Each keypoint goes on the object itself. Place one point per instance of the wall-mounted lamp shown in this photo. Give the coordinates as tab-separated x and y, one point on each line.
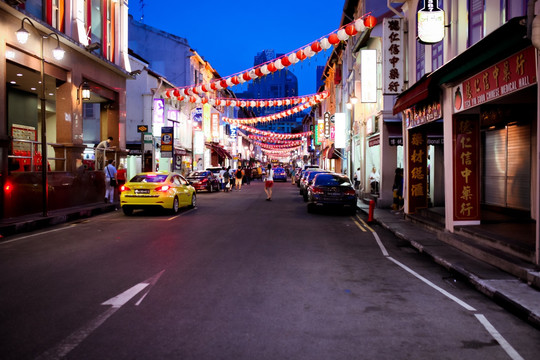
23	35
84	92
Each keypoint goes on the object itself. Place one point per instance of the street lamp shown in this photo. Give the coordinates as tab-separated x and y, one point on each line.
58	53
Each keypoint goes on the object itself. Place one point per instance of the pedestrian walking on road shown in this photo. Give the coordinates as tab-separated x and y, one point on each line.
110	181
238	176
269	183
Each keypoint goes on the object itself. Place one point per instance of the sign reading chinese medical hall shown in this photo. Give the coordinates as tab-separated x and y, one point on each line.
466	136
417	176
392	56
512	74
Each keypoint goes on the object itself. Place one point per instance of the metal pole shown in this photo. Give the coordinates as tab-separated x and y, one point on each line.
44	182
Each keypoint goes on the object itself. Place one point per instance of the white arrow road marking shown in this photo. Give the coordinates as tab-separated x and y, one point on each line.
73	340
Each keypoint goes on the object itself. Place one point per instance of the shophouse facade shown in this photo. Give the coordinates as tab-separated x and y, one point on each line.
477	89
43	120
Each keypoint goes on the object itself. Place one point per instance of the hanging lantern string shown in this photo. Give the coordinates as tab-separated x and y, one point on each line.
275	141
278	115
366	21
280	136
294	144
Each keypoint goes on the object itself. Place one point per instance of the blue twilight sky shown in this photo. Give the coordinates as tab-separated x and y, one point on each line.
229	33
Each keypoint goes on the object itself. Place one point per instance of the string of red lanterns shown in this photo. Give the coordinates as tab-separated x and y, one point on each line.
324	43
276	141
278	115
273	134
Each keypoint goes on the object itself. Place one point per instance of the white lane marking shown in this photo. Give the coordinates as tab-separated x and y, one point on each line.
116	302
483	320
499	338
72	341
123	298
439	289
36	234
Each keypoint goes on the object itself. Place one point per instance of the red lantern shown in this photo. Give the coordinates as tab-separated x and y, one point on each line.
223	83
194	90
192	99
228	103
258	72
186	92
246	76
351	30
213	86
204	100
300	55
285	61
370	21
218	103
235	80
316	47
271	67
176	92
180	98
168	93
333	39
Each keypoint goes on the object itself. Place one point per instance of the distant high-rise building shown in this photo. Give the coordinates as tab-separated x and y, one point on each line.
280	84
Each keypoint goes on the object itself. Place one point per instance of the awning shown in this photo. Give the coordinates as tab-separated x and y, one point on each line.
329	152
219	150
417	92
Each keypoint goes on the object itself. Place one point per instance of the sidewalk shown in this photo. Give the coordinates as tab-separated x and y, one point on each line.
503	288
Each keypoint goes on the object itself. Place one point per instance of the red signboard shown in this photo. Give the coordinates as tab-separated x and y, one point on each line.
466	168
417	167
512	74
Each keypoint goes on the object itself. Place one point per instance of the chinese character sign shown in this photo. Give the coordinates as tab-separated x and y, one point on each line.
392	56
512	74
417	176
466	169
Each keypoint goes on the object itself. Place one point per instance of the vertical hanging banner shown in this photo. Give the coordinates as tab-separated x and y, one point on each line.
392	56
327	125
320	131
368	75
167	142
340	140
417	165
207	127
196	117
214	117
466	136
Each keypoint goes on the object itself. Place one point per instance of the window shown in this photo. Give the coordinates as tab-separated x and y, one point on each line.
420	60
437	55
476	21
513	8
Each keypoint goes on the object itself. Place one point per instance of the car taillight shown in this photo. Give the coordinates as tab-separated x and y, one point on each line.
317	190
162	188
124	188
8	187
204	180
350	192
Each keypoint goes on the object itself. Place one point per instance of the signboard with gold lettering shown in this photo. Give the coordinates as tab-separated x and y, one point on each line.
417	176
466	168
512	74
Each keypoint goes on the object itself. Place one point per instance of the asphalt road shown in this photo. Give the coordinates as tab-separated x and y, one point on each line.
241	278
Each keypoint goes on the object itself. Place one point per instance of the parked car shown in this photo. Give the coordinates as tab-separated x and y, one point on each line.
305	178
331	189
280	174
165	190
204	181
309	179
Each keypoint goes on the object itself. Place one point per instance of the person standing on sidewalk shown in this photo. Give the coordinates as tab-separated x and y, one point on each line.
110	185
238	175
269	183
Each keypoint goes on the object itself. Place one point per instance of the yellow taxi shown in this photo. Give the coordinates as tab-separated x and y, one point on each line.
166	190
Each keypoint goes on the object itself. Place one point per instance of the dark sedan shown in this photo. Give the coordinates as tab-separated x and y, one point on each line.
203	181
330	189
